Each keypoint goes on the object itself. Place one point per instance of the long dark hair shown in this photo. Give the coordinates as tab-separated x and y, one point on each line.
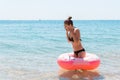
68	21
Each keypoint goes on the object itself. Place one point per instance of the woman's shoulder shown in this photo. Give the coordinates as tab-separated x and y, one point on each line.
77	29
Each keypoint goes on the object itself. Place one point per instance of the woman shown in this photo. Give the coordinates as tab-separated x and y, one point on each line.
73	36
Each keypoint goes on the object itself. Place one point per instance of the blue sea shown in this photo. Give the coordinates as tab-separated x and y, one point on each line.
29	49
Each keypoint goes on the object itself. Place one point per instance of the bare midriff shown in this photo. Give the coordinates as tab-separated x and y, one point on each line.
77	46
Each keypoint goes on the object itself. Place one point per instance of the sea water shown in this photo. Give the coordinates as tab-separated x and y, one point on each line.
29	48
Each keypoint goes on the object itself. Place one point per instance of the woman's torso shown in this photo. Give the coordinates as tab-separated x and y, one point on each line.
77	45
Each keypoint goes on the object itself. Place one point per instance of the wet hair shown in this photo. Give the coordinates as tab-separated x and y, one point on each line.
68	21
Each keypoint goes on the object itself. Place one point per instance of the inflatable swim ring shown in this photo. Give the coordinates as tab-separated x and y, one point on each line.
69	62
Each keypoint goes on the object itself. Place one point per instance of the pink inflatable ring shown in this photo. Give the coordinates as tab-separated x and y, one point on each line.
69	62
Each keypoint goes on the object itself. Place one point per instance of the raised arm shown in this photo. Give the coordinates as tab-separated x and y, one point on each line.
76	35
67	36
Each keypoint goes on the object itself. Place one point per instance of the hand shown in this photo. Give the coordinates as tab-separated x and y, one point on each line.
66	30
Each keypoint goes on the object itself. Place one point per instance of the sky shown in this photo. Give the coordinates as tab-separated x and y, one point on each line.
59	9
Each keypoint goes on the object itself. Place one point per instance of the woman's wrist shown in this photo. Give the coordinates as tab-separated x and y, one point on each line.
66	32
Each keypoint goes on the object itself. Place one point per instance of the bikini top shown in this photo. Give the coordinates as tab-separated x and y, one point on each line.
71	38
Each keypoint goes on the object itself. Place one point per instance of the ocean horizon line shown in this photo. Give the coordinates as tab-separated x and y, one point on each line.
58	19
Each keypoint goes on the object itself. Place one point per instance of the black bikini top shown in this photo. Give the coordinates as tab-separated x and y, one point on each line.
71	38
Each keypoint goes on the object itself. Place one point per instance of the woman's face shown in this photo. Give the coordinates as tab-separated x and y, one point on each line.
67	27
